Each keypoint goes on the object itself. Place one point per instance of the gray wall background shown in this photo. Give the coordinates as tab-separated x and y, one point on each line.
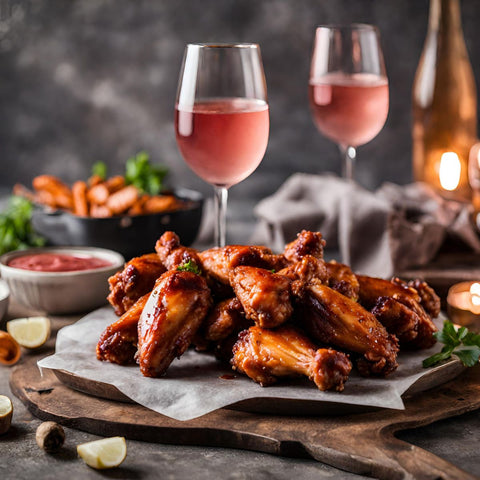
89	80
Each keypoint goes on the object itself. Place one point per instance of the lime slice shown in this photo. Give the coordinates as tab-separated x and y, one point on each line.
31	332
6	411
105	453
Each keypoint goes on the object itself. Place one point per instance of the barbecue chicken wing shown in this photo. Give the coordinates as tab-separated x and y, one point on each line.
225	319
372	289
265	296
331	318
172	315
342	279
264	355
306	243
118	342
219	262
303	272
173	254
397	319
429	300
135	280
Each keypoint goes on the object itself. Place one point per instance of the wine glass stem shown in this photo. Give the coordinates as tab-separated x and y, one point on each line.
349	155
221	196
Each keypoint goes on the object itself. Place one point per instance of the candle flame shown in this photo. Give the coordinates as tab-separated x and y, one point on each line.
449	172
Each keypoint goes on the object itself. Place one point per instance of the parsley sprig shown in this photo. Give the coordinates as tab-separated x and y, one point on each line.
189	266
147	177
458	341
99	169
16	231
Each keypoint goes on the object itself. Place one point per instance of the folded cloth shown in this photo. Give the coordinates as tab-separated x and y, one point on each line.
378	233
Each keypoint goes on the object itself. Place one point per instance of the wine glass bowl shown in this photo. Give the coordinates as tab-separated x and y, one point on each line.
222	117
348	87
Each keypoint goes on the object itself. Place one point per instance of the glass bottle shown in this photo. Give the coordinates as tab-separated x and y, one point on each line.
444	104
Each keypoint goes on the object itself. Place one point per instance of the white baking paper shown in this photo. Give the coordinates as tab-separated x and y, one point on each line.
193	385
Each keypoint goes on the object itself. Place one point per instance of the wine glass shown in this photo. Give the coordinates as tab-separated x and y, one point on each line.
222	117
348	87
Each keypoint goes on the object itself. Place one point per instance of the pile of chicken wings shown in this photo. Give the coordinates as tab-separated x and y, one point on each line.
268	315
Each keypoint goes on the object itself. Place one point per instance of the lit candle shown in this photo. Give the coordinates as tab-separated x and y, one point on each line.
463	304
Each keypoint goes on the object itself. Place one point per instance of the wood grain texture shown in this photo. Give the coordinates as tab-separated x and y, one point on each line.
361	443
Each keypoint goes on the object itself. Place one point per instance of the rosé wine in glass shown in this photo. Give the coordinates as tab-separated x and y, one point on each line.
348	87
223	140
222	117
350	109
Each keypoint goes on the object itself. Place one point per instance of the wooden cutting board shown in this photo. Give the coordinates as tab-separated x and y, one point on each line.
361	443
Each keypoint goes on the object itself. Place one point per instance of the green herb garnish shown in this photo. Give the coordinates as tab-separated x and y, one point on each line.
458	341
99	169
189	266
142	174
16	231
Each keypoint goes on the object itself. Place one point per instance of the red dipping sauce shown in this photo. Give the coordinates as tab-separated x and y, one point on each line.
57	262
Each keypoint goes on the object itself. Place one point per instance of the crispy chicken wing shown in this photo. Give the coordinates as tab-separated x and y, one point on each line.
135	280
397	319
220	261
342	279
118	342
429	300
171	317
371	289
331	318
264	355
173	254
306	243
226	318
265	296
303	272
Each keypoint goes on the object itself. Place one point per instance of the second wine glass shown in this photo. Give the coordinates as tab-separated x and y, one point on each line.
221	117
348	87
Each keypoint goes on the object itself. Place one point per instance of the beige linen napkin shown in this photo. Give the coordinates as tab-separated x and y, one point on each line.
377	233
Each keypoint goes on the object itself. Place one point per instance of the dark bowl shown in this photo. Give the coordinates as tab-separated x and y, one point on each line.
129	235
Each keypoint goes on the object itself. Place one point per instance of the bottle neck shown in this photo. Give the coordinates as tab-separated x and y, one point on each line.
445	16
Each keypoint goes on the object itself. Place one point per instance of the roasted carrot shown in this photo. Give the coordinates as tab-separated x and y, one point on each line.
100	211
98	194
80	204
122	200
53	185
160	203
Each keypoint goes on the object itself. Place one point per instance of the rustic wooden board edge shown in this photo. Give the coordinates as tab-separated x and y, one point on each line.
327	439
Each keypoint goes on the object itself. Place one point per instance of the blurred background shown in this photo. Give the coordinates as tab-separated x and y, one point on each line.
89	80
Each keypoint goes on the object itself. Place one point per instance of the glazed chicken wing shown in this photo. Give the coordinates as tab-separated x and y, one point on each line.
135	280
303	272
342	279
219	262
264	355
171	317
429	300
331	318
118	342
372	289
173	254
265	296
226	318
306	243
397	319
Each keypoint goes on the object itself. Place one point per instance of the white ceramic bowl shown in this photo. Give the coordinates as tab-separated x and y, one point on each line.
61	292
4	297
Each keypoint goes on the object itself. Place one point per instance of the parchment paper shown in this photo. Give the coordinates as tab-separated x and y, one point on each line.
192	386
